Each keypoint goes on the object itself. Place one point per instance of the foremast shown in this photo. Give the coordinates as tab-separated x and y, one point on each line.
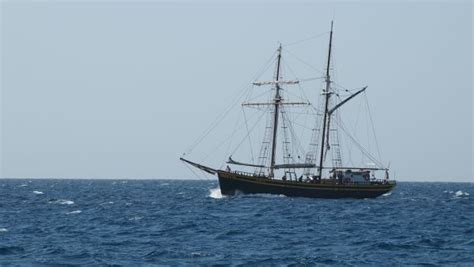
327	94
276	105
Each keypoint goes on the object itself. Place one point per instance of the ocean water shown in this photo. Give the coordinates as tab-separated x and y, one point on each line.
162	222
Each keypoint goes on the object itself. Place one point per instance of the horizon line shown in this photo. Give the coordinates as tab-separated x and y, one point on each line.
200	179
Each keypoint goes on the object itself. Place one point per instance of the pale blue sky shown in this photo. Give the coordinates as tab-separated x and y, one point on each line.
121	89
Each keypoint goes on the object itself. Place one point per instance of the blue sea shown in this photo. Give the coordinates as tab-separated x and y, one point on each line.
189	223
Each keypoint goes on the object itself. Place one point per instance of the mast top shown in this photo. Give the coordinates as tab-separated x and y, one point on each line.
276	81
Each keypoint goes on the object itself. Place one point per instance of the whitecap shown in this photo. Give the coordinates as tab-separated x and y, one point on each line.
23	185
74	212
3	230
135	218
199	254
460	193
387	194
62	202
66	202
215	193
38	192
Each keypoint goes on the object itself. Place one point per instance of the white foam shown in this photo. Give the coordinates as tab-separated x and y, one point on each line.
461	194
387	194
38	192
135	218
23	185
199	254
215	193
74	212
62	202
3	230
66	202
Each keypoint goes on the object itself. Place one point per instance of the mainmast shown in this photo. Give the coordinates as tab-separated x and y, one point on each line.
326	113
276	102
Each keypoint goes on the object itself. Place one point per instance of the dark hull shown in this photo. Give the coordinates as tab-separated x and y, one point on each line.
231	183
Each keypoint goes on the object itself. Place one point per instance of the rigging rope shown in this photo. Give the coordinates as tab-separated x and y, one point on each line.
299	85
195	174
361	148
373	126
245	137
221	143
304	62
294	138
306	39
248	134
220	117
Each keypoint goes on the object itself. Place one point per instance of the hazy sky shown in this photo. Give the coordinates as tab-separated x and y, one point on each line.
121	89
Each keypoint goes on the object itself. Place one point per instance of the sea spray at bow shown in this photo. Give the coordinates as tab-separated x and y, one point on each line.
215	193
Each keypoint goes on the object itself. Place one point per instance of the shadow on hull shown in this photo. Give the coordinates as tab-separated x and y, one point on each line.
231	182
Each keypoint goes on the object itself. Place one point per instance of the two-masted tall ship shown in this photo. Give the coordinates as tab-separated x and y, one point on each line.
307	176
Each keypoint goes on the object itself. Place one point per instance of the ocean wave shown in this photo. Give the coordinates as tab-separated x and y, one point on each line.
135	218
199	254
9	250
387	194
38	192
460	193
74	212
61	201
233	230
107	203
457	194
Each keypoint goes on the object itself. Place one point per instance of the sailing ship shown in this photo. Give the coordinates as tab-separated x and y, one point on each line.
318	179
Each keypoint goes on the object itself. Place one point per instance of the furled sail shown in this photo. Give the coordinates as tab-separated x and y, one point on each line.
231	161
295	166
